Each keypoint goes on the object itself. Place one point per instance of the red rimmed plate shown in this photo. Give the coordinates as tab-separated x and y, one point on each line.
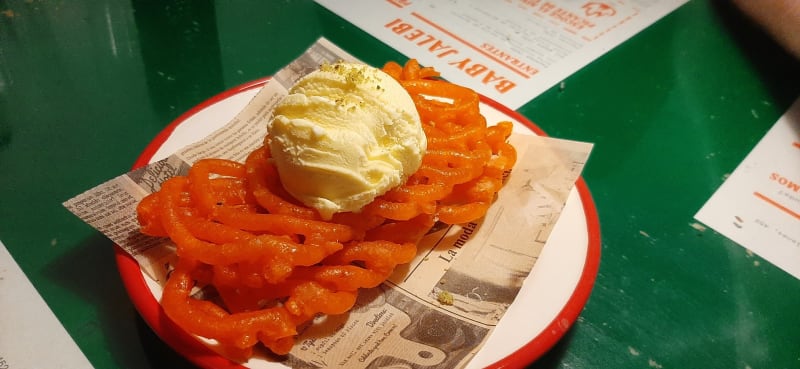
551	298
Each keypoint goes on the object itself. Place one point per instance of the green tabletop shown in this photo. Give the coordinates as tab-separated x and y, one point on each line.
85	85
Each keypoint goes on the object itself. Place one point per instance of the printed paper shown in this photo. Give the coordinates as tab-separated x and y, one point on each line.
758	206
510	50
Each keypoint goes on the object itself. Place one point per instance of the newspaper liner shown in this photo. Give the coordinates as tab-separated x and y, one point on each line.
434	312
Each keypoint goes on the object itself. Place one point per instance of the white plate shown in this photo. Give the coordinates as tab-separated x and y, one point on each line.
551	298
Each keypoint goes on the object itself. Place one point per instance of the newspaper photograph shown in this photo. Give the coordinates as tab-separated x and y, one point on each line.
434	312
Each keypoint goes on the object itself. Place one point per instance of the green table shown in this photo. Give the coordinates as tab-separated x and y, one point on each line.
84	86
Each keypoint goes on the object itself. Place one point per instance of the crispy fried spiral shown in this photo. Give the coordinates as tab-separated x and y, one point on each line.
275	264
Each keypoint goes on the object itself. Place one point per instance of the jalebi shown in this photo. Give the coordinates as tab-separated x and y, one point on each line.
275	264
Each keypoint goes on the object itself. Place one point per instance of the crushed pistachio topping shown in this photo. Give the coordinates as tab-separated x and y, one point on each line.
445	298
352	75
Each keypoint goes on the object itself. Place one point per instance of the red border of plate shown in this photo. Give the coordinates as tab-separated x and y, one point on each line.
199	354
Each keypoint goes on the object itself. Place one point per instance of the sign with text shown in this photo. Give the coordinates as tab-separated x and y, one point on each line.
758	206
511	50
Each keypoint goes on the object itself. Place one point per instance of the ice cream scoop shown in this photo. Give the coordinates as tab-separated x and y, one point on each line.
345	134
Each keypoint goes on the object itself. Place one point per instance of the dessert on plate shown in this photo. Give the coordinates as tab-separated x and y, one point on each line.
358	164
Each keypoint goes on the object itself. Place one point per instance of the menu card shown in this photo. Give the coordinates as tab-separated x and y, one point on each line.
758	206
509	50
30	334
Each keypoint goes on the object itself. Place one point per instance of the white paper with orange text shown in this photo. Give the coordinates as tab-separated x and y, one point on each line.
509	50
434	312
758	206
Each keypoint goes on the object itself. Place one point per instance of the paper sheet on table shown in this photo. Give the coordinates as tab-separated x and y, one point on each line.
30	334
505	245
510	50
758	206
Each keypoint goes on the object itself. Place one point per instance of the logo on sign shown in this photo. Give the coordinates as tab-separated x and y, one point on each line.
598	9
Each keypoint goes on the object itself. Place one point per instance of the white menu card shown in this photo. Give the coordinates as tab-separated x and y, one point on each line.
758	206
511	50
30	334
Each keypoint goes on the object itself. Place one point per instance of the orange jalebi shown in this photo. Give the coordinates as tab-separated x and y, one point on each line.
275	264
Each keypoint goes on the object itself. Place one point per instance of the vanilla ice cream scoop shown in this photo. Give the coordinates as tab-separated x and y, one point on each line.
345	134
